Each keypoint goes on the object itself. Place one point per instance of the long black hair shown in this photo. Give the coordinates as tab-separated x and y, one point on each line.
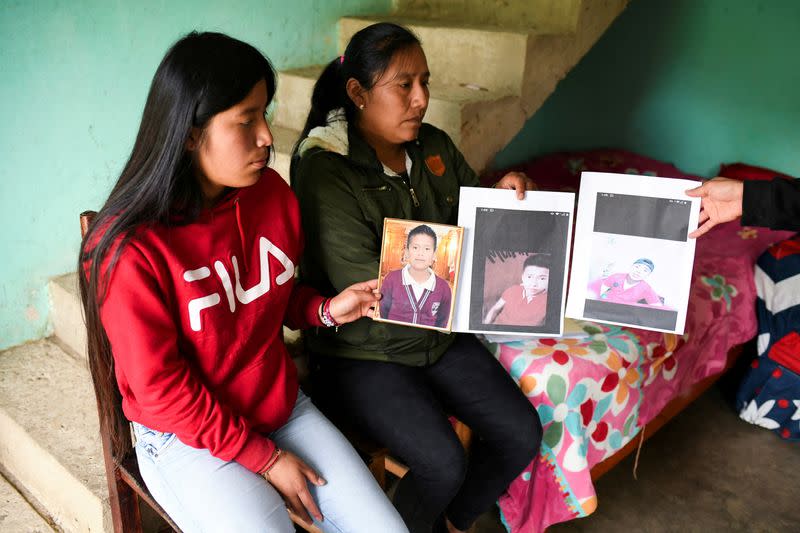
366	58
201	75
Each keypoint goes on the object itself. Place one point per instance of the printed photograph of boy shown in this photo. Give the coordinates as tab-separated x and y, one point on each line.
631	281
633	270
524	303
627	287
418	270
508	296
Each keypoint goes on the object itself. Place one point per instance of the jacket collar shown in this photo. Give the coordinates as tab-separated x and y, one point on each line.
341	137
363	154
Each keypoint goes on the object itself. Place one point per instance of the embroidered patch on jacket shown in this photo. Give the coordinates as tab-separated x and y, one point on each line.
435	164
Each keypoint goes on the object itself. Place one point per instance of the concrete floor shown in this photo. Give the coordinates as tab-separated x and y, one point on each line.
706	471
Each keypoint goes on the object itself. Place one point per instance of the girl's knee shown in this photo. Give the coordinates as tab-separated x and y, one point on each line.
271	516
261	515
277	520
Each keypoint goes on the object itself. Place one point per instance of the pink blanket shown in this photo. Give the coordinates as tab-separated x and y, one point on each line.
596	393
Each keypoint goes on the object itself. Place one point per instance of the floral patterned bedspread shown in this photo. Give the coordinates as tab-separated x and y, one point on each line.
594	394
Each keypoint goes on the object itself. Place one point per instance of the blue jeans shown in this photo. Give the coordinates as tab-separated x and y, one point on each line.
203	493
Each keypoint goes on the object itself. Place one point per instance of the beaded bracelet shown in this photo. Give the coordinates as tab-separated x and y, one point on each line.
326	316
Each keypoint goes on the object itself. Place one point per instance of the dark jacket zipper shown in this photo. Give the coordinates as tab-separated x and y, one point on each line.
407	181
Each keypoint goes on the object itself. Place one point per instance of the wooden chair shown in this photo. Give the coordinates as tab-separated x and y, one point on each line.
126	489
125	485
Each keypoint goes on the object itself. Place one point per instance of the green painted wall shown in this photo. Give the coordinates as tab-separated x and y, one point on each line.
694	82
73	80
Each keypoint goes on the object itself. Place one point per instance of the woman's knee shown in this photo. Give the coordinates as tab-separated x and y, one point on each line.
517	436
527	438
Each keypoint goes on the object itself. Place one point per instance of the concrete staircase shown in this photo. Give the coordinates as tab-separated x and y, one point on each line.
16	514
493	64
49	432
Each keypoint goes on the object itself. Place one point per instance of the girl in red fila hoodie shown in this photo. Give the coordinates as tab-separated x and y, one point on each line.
189	279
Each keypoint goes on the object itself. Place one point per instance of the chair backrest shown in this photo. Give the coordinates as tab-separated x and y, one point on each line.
125	484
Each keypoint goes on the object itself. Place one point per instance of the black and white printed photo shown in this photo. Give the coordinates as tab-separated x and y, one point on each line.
518	270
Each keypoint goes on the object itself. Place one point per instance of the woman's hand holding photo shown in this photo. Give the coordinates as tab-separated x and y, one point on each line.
356	301
517	181
721	201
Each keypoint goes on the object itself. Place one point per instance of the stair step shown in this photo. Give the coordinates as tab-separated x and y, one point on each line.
49	434
67	315
529	15
450	107
16	514
294	95
283	139
457	54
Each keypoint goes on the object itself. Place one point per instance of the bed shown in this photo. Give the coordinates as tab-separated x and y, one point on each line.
599	394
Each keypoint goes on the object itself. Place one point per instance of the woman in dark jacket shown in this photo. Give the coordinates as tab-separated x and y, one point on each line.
365	155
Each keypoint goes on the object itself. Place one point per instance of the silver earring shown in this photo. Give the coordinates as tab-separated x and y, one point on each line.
361	107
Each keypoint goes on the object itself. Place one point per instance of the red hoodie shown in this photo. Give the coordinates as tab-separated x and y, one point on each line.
194	315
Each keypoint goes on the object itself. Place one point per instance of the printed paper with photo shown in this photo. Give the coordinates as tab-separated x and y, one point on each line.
514	262
632	258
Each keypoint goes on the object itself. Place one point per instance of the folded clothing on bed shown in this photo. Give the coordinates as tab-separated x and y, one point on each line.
769	395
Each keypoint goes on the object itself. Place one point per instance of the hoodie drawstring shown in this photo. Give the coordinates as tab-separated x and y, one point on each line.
241	235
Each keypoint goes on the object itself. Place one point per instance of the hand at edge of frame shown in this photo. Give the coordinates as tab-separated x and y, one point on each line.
720	201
